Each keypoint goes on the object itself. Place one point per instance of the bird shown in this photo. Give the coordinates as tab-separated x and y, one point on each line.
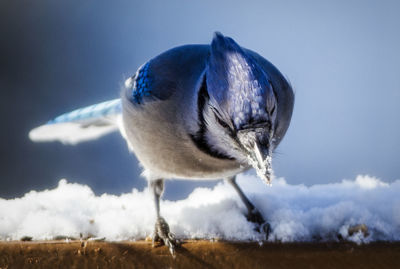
194	112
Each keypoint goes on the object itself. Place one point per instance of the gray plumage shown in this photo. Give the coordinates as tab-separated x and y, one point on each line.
201	112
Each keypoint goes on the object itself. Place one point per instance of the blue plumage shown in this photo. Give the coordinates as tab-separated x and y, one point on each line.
141	84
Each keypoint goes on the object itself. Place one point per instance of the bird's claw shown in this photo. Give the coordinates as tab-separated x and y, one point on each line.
265	228
163	235
262	226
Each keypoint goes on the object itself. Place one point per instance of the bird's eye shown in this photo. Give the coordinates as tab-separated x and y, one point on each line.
229	130
218	118
273	109
221	122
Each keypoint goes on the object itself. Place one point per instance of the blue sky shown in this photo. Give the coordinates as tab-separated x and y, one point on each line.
341	57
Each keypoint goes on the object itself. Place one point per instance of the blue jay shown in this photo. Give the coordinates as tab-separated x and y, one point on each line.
193	112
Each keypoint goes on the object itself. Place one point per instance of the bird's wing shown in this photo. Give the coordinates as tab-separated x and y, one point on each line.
170	72
80	125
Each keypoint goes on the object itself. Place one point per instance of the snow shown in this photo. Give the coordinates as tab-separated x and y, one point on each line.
295	212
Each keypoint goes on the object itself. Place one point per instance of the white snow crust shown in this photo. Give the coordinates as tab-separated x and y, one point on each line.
295	212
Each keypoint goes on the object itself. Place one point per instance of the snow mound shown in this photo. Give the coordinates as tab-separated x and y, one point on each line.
295	212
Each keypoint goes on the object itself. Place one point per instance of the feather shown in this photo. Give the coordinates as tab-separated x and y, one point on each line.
80	125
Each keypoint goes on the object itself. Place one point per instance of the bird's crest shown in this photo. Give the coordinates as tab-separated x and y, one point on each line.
238	84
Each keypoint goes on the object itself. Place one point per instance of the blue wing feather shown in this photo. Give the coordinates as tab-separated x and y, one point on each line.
100	110
141	84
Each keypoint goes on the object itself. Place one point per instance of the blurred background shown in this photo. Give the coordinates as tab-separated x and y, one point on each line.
342	58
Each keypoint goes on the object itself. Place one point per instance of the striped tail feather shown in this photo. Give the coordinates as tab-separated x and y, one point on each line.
81	125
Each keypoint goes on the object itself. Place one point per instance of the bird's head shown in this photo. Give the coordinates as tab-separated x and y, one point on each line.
242	108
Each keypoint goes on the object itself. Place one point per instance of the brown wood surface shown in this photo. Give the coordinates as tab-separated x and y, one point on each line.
198	254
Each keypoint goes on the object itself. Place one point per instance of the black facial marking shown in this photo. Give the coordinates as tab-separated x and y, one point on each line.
199	138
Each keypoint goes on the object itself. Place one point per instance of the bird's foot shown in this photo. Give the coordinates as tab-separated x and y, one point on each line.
263	226
163	235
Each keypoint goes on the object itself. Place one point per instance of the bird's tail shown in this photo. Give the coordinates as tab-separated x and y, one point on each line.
80	125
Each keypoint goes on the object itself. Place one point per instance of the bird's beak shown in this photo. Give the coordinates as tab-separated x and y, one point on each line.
258	155
260	159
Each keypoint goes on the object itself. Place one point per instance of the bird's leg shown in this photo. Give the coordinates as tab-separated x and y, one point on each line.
253	214
161	231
